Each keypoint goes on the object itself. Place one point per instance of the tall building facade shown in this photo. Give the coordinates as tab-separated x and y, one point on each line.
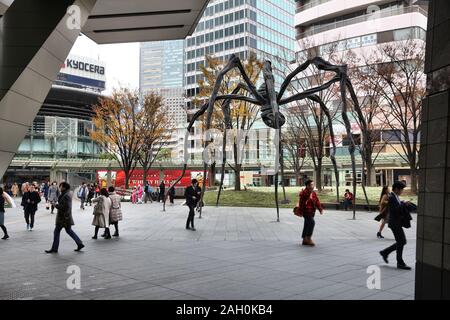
161	65
161	71
240	27
361	26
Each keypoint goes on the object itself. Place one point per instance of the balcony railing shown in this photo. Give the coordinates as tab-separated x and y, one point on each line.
310	5
364	18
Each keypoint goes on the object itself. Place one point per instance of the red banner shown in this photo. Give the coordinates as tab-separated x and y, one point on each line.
137	177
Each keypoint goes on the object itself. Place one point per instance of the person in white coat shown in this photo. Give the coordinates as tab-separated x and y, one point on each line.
101	213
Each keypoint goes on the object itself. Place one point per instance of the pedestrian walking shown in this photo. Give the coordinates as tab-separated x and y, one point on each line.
399	218
30	201
192	195
384	210
64	219
15	190
53	195
147	195
82	194
116	210
172	195
90	196
308	204
45	188
3	199
140	194
101	213
162	191
134	195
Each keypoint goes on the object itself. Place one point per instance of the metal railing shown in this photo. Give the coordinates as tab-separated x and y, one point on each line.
310	5
364	18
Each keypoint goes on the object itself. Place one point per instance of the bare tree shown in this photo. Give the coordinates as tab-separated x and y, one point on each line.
400	66
155	130
368	88
116	128
294	143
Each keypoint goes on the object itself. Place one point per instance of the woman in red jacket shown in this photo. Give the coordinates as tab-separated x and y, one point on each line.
308	204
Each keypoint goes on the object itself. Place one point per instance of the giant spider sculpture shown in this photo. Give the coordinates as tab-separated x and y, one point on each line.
270	101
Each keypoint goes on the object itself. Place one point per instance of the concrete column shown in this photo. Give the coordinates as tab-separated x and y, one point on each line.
433	225
35	40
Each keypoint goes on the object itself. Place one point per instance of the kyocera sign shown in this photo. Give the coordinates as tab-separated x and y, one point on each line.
85	66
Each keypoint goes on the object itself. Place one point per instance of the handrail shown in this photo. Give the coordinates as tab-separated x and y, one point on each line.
364	18
310	5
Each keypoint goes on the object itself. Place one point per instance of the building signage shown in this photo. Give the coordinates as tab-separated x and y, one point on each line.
85	66
83	72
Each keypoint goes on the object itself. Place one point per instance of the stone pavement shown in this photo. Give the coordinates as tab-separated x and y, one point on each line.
236	253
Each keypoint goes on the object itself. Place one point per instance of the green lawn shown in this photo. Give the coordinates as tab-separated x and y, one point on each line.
263	197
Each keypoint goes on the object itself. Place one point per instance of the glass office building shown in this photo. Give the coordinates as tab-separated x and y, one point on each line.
161	65
264	27
239	27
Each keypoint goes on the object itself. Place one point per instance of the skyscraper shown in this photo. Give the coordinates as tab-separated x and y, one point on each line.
240	27
161	65
264	27
161	71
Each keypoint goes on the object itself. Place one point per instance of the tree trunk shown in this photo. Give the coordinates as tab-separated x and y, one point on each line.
212	175
318	174
237	177
297	178
144	178
127	178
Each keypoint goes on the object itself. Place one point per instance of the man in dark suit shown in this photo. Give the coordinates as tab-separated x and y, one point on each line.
397	211
192	195
64	219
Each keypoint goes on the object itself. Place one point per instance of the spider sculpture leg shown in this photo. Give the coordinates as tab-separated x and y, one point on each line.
352	147
269	80
228	126
234	62
197	115
326	111
320	63
364	126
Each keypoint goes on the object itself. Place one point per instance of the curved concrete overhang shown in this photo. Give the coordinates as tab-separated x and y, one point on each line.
37	35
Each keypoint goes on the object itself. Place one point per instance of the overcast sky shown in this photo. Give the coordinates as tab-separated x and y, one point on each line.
122	61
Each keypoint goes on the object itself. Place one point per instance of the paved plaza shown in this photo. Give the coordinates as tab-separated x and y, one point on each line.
236	253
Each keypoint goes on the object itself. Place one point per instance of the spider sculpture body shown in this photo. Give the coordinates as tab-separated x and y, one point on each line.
270	101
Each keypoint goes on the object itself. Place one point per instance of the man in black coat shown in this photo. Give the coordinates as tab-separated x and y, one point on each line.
162	191
30	201
192	195
398	218
64	219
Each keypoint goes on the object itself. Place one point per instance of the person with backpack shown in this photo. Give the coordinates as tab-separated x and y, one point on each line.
348	199
64	219
82	194
399	218
308	204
